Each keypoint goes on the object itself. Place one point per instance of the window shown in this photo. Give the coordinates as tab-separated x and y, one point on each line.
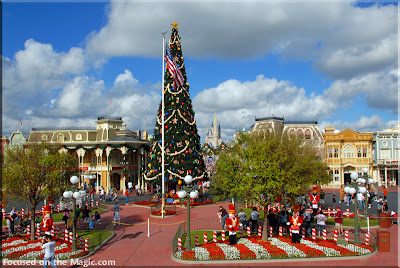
359	171
300	132
292	132
336	175
331	175
336	154
397	154
348	151
330	153
385	154
365	151
308	134
358	152
60	138
44	137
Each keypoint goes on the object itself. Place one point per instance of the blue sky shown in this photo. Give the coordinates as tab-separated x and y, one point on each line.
332	61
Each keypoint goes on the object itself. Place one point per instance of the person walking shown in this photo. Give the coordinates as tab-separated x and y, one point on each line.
339	221
321	219
341	195
384	193
242	218
116	210
222	215
322	199
334	200
92	193
49	255
65	217
102	194
127	197
137	189
254	219
130	186
360	198
379	205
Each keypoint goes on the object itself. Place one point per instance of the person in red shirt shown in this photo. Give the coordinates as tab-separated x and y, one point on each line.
339	221
384	194
127	197
232	222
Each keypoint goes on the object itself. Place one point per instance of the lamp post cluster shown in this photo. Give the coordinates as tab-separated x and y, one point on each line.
74	194
358	185
90	177
188	191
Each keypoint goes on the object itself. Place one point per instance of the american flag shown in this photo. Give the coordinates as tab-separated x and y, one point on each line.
173	69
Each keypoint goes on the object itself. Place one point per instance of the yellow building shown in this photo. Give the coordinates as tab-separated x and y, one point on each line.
114	153
345	152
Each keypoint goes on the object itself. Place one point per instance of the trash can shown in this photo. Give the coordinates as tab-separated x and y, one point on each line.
384	241
385	220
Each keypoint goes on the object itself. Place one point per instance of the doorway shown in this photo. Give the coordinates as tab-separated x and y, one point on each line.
347	178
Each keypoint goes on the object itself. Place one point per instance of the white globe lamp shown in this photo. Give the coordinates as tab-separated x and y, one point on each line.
370	180
346	189
352	191
362	180
193	195
365	170
354	175
362	190
89	169
67	194
188	179
74	179
181	194
77	195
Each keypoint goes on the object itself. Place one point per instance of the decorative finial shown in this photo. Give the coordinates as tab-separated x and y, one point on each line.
174	25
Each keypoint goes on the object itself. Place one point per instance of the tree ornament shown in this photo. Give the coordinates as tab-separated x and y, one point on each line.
172	103
149	165
179	182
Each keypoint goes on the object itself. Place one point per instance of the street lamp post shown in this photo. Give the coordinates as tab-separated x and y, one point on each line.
74	194
355	186
366	182
193	194
90	177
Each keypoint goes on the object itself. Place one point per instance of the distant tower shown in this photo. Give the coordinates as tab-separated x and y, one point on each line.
213	136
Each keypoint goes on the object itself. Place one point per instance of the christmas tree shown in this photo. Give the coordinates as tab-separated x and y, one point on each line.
181	141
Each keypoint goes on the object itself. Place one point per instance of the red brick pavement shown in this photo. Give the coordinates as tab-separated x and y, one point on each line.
132	247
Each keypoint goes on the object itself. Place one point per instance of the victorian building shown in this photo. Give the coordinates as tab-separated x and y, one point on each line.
114	153
386	155
345	152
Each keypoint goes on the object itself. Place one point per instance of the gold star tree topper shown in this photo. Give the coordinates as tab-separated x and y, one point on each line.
174	25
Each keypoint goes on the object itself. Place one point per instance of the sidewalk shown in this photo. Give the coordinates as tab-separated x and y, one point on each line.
131	246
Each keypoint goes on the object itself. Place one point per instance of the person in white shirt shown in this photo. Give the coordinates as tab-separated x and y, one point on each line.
360	199
137	189
130	186
102	195
49	254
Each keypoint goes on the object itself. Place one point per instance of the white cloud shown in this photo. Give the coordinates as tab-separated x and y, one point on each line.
341	39
364	124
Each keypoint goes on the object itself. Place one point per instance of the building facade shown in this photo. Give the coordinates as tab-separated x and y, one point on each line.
345	152
386	155
114	153
213	135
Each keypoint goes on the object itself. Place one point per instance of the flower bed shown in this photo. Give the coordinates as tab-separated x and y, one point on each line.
167	212
274	248
149	203
23	249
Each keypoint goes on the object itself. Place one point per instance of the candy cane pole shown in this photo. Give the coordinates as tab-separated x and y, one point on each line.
52	232
22	212
87	244
348	213
66	235
196	239
346	236
38	229
270	231
329	211
91	204
314	233
324	234
367	239
97	203
18	230
290	232
241	233
335	236
248	231
28	230
179	243
259	231
70	237
215	236
269	207
86	204
245	204
58	208
4	213
320	209
66	206
43	210
303	233
223	235
205	238
280	231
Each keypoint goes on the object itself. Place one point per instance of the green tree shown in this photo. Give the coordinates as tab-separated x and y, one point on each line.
181	141
36	171
266	166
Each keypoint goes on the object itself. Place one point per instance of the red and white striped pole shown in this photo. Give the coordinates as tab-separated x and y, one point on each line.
70	237
303	233
58	208
223	235
4	213
92	203
28	230
314	233
196	240
346	236
324	234
38	229
66	235
18	230
348	213
329	211
87	244
241	233
52	232
248	231
205	238
270	231
179	243
280	231
22	212
269	207
320	209
259	231
335	236
97	203
215	236
43	210
66	206
245	204
367	239
86	204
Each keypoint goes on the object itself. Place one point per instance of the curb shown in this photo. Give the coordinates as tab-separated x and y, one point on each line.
98	247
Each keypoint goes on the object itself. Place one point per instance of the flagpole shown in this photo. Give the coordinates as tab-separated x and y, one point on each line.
162	131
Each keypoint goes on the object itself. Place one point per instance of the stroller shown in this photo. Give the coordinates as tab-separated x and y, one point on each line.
395	217
23	224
